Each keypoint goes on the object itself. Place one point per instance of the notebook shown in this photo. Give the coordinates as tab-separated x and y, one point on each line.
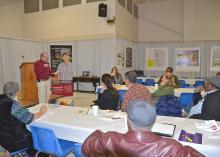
164	129
192	138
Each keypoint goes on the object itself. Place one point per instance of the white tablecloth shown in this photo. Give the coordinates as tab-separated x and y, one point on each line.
73	124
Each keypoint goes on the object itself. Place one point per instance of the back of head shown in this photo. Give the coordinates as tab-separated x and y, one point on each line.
141	114
10	89
131	76
107	80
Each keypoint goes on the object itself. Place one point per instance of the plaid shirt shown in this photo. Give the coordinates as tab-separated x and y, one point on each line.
136	92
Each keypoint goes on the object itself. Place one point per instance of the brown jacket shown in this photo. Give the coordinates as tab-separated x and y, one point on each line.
134	144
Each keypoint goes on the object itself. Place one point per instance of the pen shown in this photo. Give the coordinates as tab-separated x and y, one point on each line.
187	138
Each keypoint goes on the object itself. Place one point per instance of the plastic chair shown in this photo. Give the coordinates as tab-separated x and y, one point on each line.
186	100
149	82
45	141
18	152
199	83
139	81
182	83
121	94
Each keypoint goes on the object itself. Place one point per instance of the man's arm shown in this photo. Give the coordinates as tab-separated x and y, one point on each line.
94	145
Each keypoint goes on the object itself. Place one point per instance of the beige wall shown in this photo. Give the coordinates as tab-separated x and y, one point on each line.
201	20
126	24
161	21
70	23
11	20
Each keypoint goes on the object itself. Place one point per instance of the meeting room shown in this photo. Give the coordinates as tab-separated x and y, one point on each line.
109	78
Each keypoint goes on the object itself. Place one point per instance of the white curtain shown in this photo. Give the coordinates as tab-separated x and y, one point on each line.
15	51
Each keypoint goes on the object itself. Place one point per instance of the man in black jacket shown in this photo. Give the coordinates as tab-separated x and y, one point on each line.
211	104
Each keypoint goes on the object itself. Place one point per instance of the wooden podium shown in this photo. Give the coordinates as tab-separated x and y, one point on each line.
28	82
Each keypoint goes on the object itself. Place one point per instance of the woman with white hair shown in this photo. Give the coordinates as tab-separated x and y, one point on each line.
14	135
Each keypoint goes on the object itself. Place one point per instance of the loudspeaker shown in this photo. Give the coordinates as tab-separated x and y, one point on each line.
102	10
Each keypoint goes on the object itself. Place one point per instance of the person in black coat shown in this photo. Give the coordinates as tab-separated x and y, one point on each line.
211	104
108	100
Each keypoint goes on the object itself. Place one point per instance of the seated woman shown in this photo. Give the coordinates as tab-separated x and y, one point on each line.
117	77
14	136
168	104
170	70
108	100
166	86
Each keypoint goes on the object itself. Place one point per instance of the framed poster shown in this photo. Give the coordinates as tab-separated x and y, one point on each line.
156	59
215	59
56	52
187	59
128	57
120	58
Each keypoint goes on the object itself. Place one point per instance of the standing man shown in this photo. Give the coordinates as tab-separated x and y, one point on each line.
42	70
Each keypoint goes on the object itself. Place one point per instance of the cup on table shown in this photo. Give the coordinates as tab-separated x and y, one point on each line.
156	86
95	109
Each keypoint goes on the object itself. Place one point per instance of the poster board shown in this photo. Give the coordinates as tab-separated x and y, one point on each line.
56	52
156	59
187	59
215	59
129	58
120	58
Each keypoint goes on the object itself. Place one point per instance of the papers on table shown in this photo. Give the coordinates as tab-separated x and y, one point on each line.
164	129
211	127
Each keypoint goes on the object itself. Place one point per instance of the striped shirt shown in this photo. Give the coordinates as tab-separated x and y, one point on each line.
65	70
136	92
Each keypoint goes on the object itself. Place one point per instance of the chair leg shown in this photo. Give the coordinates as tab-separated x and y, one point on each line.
38	152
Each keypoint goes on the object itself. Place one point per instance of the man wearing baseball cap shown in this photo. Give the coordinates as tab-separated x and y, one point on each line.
139	141
209	107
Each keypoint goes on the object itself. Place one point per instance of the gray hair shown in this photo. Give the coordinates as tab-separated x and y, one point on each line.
10	89
42	54
141	114
131	76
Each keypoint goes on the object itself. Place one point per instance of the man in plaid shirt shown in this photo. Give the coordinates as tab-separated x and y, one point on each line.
135	91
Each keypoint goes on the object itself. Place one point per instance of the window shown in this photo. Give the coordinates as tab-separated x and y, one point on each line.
129	6
122	2
31	6
88	1
50	4
71	2
135	11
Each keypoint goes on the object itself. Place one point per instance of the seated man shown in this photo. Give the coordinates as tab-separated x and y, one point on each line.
209	107
139	141
135	91
170	70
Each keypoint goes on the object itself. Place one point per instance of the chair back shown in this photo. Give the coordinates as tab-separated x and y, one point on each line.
45	141
186	100
182	83
199	83
149	82
121	94
139	81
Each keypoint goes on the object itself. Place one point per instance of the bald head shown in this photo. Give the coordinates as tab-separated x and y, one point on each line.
44	56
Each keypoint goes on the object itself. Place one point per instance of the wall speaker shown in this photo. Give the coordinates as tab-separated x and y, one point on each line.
102	10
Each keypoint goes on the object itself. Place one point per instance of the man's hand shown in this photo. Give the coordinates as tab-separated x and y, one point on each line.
5	154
